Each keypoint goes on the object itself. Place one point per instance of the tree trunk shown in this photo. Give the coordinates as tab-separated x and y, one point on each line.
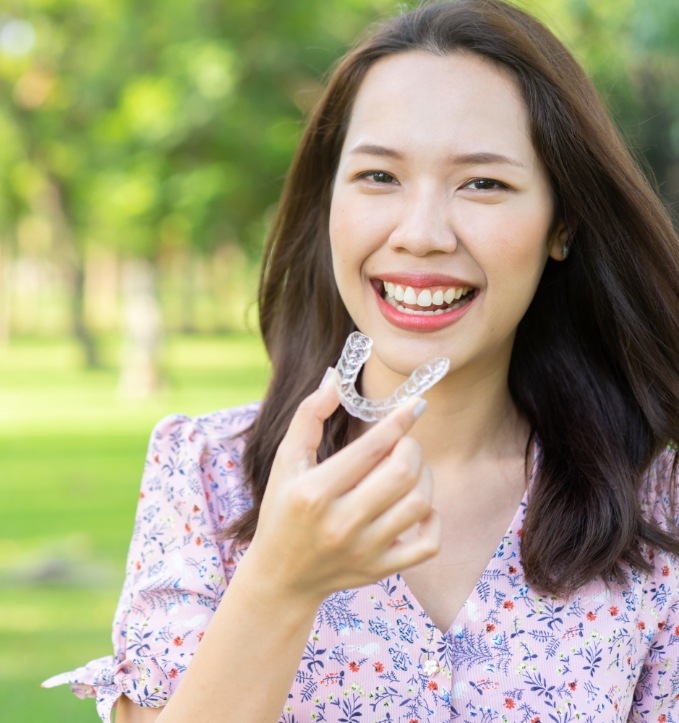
71	258
140	373
79	326
5	291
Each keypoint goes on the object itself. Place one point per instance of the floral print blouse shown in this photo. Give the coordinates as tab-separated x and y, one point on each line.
373	655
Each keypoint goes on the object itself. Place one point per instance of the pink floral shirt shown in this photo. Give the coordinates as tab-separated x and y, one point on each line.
373	654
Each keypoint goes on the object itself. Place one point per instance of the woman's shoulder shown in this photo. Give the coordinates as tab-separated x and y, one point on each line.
201	437
200	455
214	427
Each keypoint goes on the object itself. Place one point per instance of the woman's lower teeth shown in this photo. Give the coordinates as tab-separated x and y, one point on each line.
424	312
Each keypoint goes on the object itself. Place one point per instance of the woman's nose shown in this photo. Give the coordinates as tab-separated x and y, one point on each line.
424	224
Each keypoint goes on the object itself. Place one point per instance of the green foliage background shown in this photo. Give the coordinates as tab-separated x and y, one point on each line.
162	131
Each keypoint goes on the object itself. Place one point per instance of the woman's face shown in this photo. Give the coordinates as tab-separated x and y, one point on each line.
441	212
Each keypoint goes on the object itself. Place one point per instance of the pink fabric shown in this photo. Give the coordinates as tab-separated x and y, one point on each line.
374	655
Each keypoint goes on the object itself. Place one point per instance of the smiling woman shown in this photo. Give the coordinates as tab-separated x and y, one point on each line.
511	552
449	181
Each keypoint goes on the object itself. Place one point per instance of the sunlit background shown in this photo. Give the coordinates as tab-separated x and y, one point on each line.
142	149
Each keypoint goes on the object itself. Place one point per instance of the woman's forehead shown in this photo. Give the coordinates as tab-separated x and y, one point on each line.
456	103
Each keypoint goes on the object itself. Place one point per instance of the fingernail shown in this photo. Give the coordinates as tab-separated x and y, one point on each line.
330	376
419	405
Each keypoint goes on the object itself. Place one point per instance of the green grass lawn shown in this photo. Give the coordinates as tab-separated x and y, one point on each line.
71	456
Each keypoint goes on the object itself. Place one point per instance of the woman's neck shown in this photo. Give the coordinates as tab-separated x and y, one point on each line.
469	418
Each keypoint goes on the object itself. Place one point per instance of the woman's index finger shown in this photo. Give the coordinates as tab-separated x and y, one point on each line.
305	431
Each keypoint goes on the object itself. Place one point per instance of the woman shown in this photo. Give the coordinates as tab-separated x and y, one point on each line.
459	192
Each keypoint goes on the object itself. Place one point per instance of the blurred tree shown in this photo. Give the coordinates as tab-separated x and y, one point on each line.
631	50
162	130
156	128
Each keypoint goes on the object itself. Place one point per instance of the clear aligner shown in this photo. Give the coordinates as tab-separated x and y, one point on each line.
354	355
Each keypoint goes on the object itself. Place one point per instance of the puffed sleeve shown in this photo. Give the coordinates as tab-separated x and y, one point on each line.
656	697
178	564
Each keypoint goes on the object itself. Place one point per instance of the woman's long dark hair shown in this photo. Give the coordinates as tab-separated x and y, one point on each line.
594	365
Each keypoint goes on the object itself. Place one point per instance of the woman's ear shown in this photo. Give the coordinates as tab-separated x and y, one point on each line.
560	245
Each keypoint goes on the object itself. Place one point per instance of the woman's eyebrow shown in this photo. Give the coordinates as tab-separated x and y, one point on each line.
372	149
464	159
485	157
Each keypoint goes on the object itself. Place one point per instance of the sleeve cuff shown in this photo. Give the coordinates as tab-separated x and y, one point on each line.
105	680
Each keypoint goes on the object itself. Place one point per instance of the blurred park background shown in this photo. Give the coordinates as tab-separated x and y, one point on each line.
143	146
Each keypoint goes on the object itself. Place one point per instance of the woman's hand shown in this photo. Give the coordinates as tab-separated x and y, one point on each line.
336	525
322	528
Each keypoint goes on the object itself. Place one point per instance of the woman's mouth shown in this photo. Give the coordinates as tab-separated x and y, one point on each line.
426	301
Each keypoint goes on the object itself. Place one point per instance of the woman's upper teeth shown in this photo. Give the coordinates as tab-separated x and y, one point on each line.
425	297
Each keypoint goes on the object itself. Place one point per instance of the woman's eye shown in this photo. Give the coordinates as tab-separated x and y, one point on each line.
380	177
485	184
